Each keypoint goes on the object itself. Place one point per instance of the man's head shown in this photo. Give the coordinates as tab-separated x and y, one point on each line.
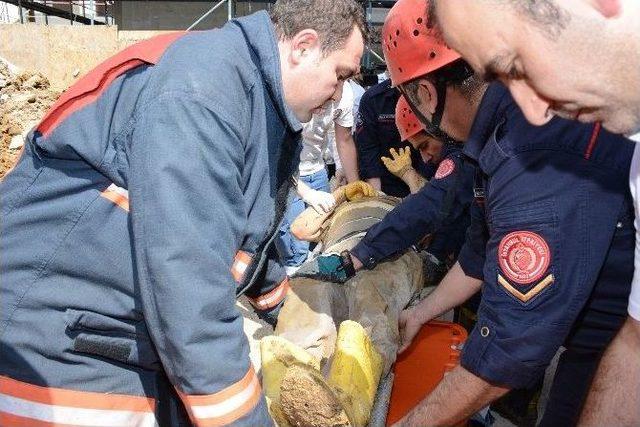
320	46
440	87
411	130
578	59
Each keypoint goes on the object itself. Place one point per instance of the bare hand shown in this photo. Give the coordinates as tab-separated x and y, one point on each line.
409	324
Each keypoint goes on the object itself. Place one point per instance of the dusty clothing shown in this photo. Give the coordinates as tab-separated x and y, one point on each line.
373	298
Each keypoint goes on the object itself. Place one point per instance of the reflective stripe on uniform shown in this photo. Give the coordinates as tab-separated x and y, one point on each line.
117	195
240	264
23	404
225	406
272	298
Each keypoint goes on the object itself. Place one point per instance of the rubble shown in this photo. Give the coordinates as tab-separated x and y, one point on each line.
25	97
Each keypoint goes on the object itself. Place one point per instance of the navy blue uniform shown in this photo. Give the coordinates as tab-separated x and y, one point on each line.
376	133
554	246
442	205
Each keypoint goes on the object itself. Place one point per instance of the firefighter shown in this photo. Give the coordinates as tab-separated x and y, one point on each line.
551	270
133	197
544	52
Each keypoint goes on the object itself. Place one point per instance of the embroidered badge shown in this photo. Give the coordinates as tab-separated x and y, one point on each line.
447	166
524	256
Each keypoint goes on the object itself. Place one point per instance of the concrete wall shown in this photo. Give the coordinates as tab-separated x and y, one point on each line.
63	53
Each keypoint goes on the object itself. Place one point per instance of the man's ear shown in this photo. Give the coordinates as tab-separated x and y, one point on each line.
607	8
428	96
302	44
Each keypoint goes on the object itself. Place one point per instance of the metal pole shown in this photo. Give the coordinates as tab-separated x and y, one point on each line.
92	6
380	58
231	10
206	14
20	10
46	17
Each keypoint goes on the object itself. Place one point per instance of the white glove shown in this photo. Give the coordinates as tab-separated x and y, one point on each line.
321	201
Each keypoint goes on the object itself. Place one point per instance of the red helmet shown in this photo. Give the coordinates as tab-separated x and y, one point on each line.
410	48
406	121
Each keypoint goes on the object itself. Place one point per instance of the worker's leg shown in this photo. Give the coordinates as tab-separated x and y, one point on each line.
310	314
614	398
376	298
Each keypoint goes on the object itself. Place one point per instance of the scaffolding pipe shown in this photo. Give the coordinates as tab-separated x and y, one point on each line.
378	57
220	3
231	10
92	9
20	10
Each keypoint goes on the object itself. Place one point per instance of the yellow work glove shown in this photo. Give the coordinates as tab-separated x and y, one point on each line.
358	189
400	161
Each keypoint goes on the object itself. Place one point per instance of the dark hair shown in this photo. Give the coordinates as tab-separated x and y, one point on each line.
333	20
547	14
458	75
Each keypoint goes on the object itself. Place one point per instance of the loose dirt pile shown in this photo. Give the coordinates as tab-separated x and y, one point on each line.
24	99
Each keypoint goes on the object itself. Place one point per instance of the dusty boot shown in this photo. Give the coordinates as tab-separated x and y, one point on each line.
307	400
346	398
278	355
355	371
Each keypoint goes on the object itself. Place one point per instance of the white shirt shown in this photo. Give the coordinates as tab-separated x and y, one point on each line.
316	133
634	183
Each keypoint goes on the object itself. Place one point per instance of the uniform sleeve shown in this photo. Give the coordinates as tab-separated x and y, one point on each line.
368	144
187	218
418	215
472	254
552	219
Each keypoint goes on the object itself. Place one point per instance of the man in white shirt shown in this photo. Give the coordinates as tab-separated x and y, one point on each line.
312	180
580	60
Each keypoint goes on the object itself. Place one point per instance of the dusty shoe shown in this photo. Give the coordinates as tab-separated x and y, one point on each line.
307	400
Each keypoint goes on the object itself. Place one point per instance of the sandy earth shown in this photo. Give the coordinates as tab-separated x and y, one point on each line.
25	96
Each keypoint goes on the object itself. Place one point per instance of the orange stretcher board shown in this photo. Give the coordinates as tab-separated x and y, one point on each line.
420	368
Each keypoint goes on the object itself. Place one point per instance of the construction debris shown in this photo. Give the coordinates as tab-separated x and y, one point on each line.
24	99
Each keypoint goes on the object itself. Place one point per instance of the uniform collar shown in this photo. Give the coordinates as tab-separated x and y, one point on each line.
261	38
494	103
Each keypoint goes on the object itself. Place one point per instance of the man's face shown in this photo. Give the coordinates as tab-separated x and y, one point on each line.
550	69
458	114
312	79
430	149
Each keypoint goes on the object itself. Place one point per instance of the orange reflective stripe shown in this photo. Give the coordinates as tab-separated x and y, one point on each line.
117	195
240	264
225	406
10	420
72	398
273	298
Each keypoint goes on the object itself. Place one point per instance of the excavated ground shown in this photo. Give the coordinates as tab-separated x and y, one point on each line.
24	99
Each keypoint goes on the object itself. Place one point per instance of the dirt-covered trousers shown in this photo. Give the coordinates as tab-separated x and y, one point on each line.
374	298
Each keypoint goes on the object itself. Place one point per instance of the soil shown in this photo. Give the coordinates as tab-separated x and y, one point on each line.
307	400
25	97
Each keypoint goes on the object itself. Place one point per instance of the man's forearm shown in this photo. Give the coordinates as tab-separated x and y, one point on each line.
414	180
347	153
614	398
458	396
375	183
454	289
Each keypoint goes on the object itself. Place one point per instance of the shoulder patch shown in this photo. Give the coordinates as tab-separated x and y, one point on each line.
524	256
446	167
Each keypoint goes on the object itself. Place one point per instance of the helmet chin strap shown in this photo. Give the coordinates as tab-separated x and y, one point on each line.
432	127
